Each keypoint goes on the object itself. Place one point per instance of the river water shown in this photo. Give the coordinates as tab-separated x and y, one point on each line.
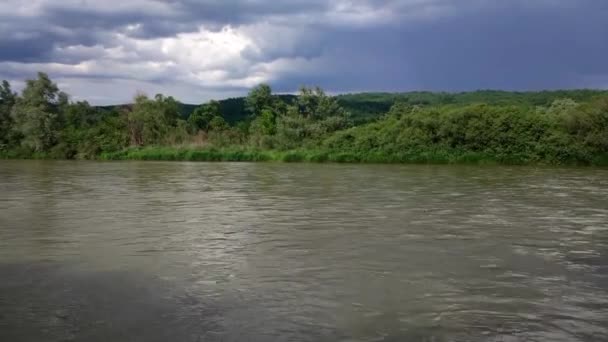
151	251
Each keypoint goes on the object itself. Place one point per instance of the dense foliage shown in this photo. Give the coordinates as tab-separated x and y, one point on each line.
557	127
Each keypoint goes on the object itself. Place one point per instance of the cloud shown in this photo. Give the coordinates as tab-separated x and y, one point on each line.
197	50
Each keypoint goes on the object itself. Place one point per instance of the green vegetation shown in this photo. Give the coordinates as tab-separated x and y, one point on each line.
551	127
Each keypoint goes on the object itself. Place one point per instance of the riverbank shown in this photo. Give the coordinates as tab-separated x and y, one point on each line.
312	156
317	156
242	154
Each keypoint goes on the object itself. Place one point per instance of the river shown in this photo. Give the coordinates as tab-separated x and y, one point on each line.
153	251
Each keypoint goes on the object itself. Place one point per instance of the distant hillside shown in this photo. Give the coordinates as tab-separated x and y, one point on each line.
369	106
233	109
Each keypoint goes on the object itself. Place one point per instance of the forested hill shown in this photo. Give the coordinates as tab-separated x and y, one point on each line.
368	106
365	106
232	109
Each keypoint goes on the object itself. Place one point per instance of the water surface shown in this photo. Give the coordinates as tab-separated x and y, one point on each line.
147	251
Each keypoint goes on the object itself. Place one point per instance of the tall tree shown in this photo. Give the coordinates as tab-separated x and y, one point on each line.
315	104
81	114
207	117
36	113
311	117
259	98
150	120
7	101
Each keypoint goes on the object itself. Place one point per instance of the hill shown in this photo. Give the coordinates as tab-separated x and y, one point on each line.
366	107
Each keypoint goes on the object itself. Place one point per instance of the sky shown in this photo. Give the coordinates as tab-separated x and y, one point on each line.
196	50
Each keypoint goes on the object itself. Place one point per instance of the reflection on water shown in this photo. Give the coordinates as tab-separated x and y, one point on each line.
295	252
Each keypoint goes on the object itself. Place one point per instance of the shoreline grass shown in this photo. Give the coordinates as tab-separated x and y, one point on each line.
211	154
243	154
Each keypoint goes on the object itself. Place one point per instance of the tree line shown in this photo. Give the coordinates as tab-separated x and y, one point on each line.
564	127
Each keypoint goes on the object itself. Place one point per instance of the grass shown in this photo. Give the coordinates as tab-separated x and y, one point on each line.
243	154
25	155
236	154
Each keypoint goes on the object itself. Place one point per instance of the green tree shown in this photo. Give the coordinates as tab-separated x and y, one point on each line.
168	107
109	135
150	120
218	123
7	101
258	99
207	117
315	104
311	117
267	122
36	113
81	114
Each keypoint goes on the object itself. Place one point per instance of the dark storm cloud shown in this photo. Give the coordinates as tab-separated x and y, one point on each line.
33	39
510	46
387	45
24	50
